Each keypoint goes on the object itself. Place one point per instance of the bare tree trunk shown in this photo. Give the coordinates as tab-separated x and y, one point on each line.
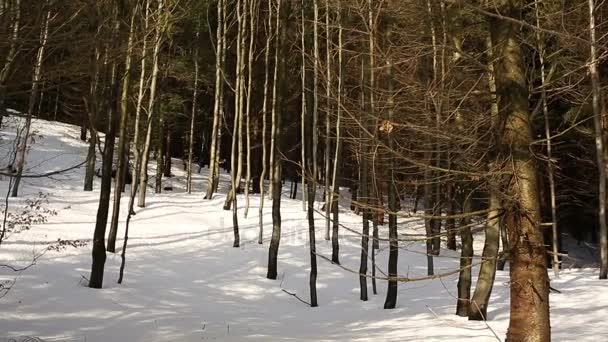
99	250
335	243
281	23
217	107
24	137
250	59
193	118
264	121
143	178
237	130
328	109
364	173
137	152
391	293
550	167
304	109
11	56
478	307
160	150
123	140
466	258
529	320
93	109
598	111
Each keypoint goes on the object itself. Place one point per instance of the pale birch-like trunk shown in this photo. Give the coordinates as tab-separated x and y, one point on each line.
193	116
13	51
250	59
217	106
598	123
550	166
24	136
264	121
140	98
143	179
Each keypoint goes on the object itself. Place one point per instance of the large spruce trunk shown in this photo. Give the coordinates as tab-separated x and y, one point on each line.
528	270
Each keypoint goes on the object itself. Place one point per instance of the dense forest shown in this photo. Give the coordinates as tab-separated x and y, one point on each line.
484	119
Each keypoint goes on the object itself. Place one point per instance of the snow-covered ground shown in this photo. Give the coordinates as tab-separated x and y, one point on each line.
185	282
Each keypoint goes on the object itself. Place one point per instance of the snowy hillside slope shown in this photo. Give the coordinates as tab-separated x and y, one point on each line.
185	282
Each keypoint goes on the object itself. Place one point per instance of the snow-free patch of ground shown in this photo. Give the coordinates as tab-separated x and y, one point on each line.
185	282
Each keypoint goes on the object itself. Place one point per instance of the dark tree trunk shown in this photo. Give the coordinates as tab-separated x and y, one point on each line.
354	197
273	251
90	164
466	258
450	223
167	166
99	250
391	293
429	223
83	130
365	232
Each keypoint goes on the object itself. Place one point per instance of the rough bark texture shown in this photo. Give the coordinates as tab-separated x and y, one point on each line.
529	281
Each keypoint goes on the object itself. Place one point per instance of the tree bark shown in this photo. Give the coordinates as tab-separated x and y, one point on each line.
264	122
478	309
598	110
143	178
193	116
391	293
123	141
99	251
281	23
529	281
466	258
23	140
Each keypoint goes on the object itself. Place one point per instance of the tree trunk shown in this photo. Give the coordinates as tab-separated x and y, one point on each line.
11	55
598	110
250	59
99	251
466	258
137	152
217	106
450	223
328	109
123	140
529	281
478	308
335	244
143	178
92	111
264	123
193	116
391	293
277	136
23	140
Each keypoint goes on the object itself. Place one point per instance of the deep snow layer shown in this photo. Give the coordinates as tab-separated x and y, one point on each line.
185	282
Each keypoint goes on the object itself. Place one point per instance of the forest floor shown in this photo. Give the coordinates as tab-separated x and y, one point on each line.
185	282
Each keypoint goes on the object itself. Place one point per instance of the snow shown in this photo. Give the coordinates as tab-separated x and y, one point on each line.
185	282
